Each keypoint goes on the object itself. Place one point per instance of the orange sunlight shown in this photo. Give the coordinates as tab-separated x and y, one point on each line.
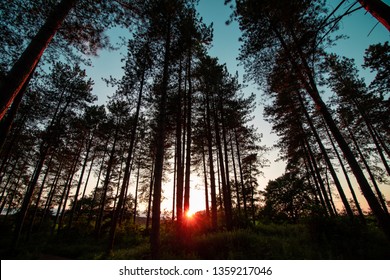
189	214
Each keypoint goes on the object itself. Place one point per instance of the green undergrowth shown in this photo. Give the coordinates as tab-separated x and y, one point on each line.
329	239
317	238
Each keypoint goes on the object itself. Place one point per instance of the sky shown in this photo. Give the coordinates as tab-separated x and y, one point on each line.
225	47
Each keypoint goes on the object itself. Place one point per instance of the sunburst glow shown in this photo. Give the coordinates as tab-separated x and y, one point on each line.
189	214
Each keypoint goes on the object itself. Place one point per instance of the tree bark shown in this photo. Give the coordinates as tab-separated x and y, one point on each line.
228	188
11	85
226	201
76	195
126	178
214	220
7	122
39	198
206	189
330	191
150	196
110	163
370	174
136	190
51	194
320	181
235	177
359	209
188	142
241	175
86	184
379	10
160	151
327	159
305	76
310	174
28	196
69	186
90	215
179	165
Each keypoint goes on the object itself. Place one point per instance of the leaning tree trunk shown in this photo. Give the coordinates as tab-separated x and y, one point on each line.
379	9
359	209
29	194
370	174
235	177
7	122
36	208
329	190
314	186
373	134
305	75
327	159
6	189
241	174
382	217
317	174
11	85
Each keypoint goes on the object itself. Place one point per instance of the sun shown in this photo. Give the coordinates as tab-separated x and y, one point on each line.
189	214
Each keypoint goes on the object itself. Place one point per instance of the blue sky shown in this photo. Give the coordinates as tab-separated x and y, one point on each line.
226	47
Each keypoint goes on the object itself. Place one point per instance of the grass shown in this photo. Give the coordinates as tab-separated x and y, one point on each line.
334	239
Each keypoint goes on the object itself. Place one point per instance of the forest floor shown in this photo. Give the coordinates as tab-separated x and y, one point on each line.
329	239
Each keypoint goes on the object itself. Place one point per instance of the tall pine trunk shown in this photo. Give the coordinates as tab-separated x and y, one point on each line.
160	148
235	177
126	178
244	198
206	188
188	142
213	193
106	182
51	194
28	196
136	189
76	195
36	208
69	187
225	192
327	159
86	185
179	165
